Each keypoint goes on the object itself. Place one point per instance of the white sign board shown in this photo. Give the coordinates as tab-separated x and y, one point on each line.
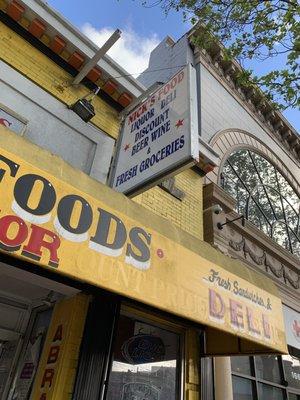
292	326
159	137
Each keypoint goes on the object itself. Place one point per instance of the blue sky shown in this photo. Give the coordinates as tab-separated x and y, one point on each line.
143	28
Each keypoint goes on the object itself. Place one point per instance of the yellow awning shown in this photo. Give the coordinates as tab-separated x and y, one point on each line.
60	218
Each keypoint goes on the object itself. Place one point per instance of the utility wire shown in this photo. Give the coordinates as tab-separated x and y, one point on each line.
148	72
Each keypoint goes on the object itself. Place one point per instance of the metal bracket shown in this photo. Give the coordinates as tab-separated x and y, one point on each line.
242	217
98	55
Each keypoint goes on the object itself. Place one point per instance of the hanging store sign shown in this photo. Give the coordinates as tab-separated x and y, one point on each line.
96	235
292	326
159	137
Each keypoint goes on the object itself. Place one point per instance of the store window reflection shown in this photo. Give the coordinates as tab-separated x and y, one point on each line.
268	369
242	365
145	363
293	396
29	362
8	348
269	392
266	377
291	367
242	388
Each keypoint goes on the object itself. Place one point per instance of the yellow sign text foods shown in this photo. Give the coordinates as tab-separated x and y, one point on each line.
54	224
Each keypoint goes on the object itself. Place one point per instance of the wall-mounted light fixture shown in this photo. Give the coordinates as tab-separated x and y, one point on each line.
242	217
84	107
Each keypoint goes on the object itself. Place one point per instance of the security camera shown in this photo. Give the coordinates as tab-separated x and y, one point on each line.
216	209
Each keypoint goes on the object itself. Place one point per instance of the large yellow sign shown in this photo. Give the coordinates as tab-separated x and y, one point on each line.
54	224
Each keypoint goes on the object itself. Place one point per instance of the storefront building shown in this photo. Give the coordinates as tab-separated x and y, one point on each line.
102	296
257	176
144	334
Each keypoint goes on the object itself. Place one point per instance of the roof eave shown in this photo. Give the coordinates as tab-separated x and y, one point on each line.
85	45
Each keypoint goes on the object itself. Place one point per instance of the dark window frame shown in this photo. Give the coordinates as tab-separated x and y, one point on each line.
234	178
256	380
168	324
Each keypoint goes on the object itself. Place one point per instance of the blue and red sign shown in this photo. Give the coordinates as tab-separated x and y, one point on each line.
159	137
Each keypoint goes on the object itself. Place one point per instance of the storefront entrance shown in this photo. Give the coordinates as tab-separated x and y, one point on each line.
146	360
132	352
26	305
27	363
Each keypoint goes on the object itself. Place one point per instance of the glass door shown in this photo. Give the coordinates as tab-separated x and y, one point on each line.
146	362
9	344
30	355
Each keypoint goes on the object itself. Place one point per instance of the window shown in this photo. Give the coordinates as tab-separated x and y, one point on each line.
268	368
265	377
291	367
241	365
270	392
293	396
264	196
145	362
30	357
242	389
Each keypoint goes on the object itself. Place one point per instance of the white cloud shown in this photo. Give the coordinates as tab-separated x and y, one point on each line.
131	51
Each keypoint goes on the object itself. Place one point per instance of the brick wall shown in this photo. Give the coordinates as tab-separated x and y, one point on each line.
187	214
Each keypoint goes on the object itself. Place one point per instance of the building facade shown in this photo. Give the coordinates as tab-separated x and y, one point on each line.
102	296
257	176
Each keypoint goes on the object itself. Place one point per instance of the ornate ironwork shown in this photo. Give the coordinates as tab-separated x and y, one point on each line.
264	197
